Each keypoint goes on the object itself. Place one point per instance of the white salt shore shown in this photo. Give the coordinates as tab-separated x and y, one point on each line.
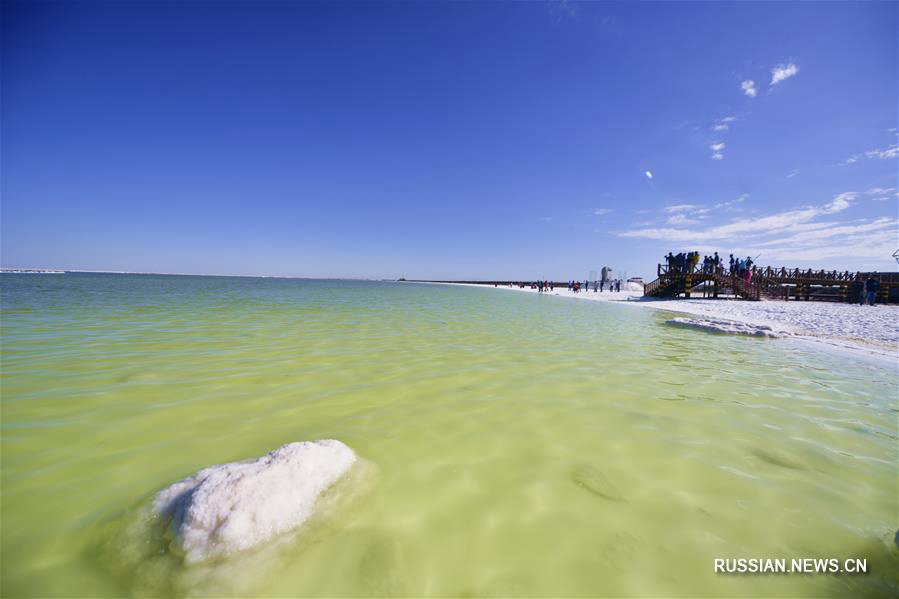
861	330
232	507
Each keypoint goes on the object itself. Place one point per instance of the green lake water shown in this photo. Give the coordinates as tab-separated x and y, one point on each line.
515	445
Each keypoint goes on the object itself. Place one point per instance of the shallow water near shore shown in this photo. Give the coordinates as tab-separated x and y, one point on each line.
517	445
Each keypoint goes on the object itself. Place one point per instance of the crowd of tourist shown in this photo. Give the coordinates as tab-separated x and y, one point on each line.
611	285
598	285
688	262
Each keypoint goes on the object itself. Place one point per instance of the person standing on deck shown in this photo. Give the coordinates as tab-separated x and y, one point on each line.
872	286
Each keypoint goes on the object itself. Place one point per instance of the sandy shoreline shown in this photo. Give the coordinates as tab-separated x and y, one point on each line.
871	331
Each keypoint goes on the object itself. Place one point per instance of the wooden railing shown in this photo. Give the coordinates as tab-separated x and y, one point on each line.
751	290
652	287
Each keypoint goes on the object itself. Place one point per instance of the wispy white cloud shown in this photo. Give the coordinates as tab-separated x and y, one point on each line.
883	194
890	152
716	149
681	219
749	88
602	211
876	245
723	124
782	72
697	211
879	191
875	239
840	202
560	9
792	173
884	154
828	232
682	208
569	7
788	221
731	203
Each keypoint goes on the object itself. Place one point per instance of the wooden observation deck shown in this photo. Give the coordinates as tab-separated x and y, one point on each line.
773	283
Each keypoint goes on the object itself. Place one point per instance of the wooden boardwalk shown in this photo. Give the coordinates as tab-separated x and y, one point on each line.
774	283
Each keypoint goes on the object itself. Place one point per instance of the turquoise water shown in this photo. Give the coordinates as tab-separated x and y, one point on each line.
519	445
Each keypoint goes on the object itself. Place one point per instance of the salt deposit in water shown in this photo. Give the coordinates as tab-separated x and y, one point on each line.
232	507
725	326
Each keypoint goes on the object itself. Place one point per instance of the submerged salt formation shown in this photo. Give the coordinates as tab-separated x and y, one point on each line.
725	326
231	507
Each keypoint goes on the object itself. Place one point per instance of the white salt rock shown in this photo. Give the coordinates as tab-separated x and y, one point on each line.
231	507
725	326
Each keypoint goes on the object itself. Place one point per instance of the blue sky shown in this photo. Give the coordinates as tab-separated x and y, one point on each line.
446	140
